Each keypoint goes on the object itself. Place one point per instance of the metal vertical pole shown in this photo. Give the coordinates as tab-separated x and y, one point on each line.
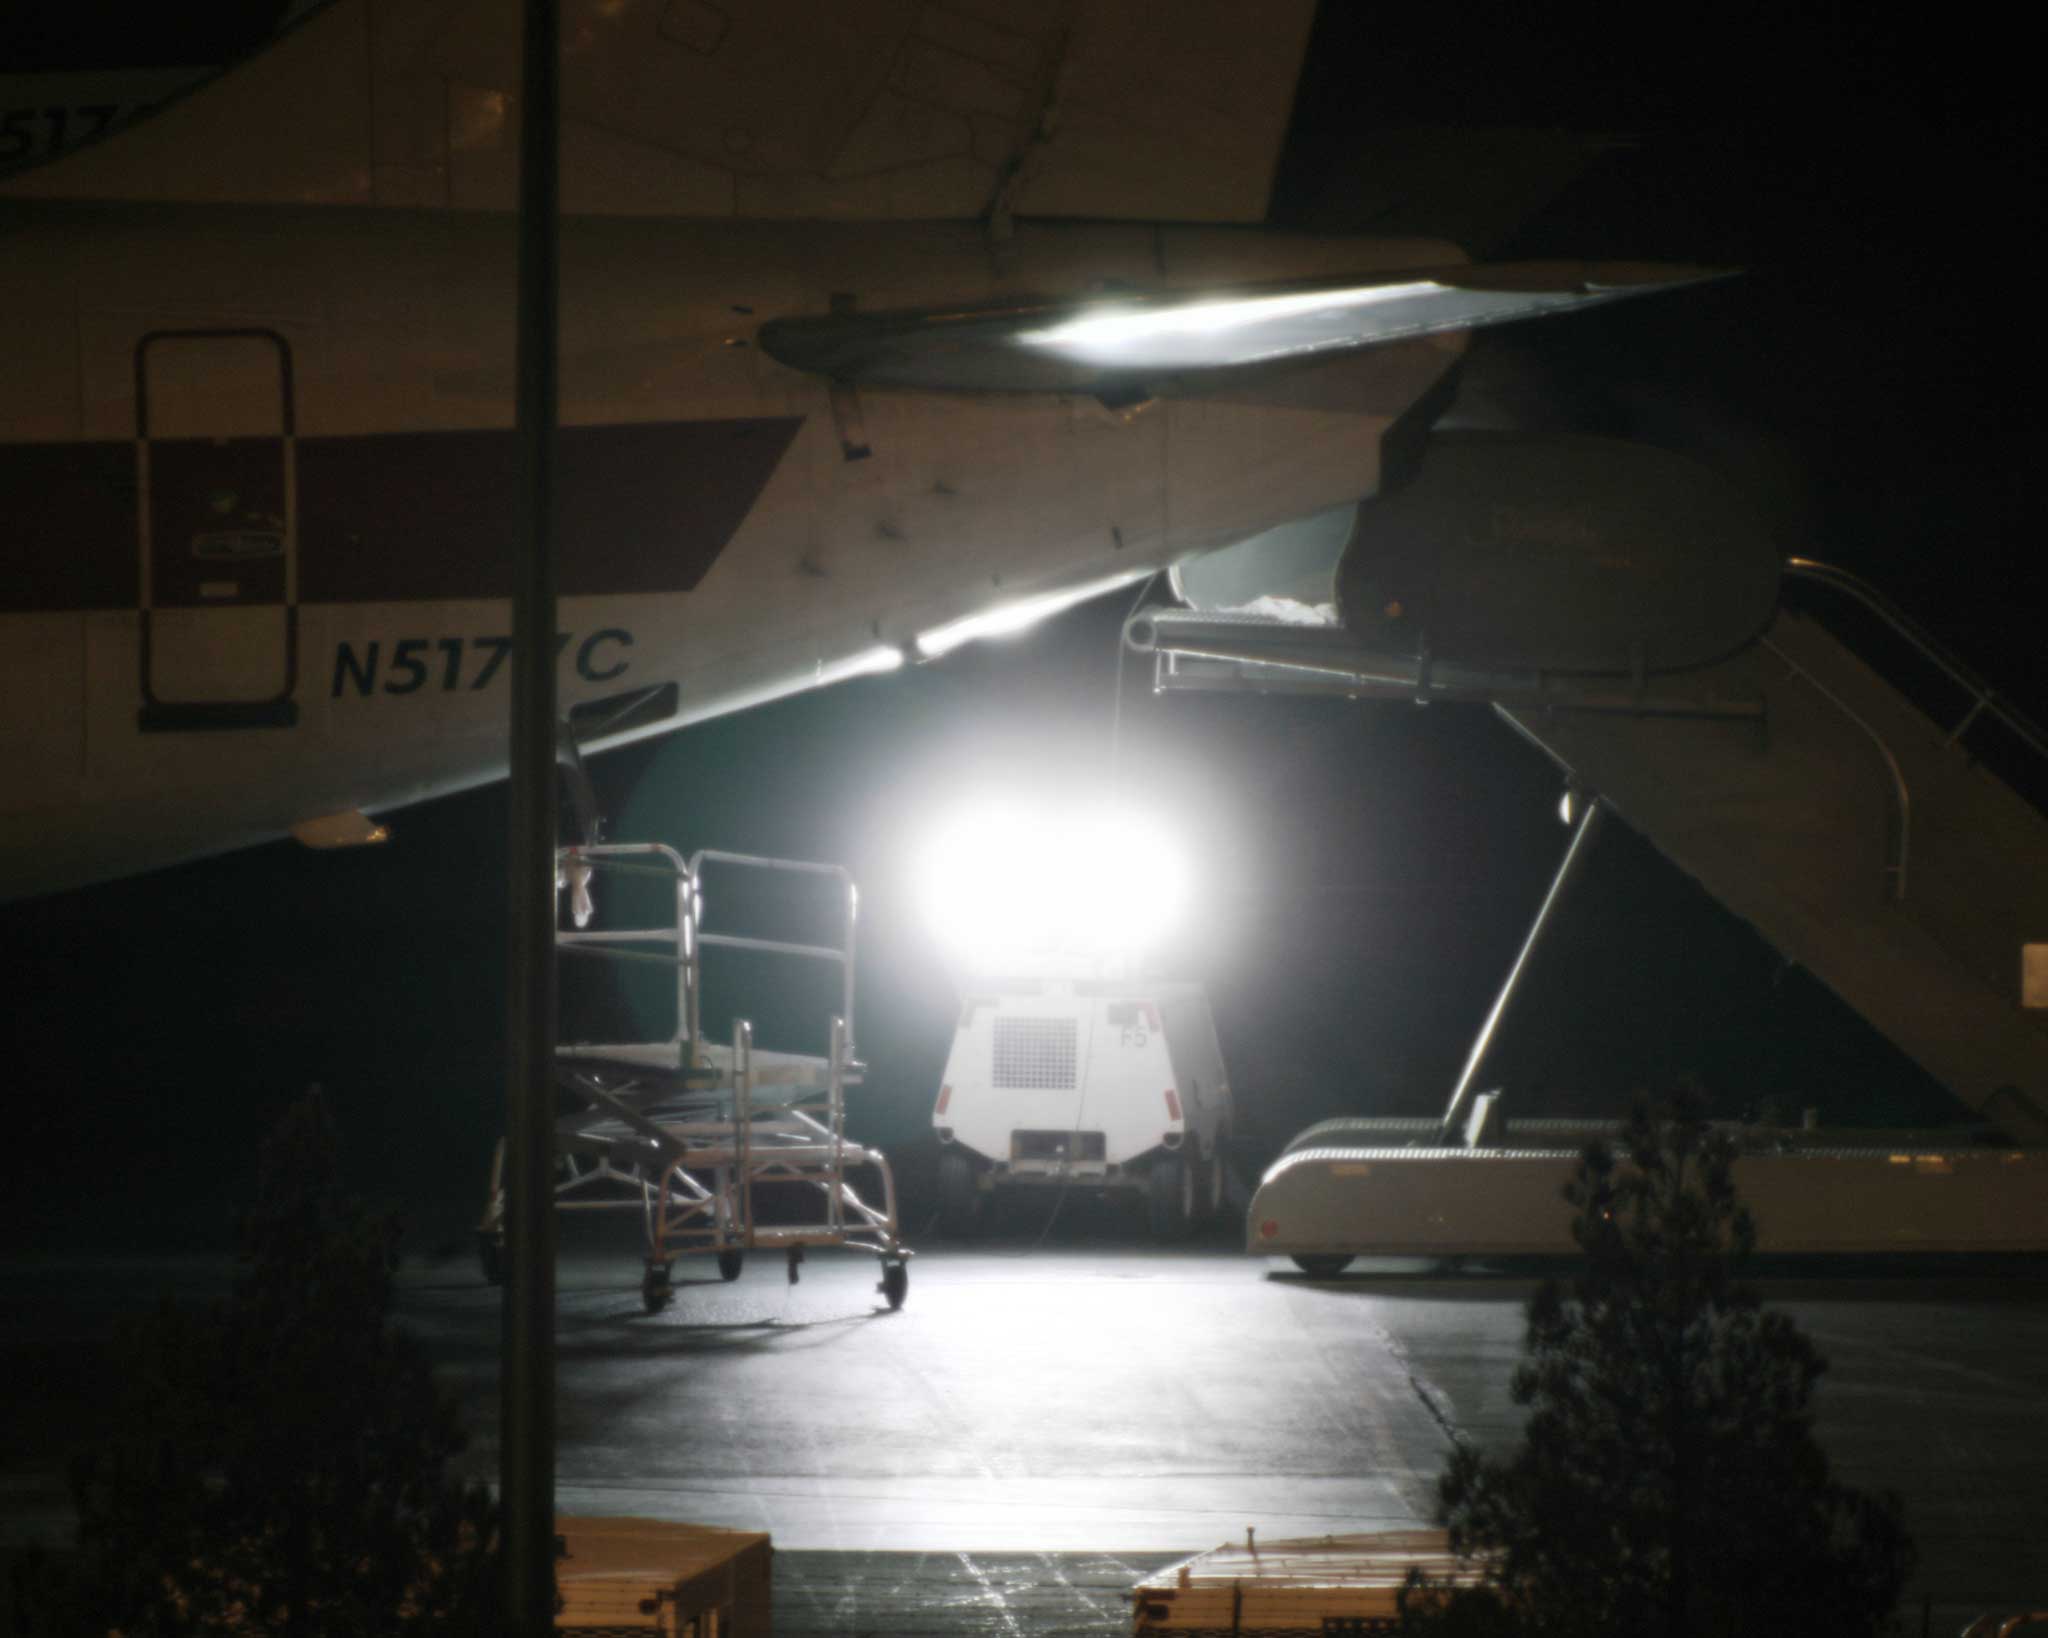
527	1375
1589	822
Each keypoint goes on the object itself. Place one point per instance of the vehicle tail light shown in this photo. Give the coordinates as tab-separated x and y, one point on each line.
945	1097
1172	1104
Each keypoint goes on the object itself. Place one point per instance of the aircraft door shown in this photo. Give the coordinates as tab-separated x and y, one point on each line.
215	462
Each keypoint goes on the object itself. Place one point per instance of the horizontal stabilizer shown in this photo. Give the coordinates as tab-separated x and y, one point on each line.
1112	343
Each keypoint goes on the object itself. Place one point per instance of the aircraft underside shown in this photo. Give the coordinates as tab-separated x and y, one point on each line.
260	465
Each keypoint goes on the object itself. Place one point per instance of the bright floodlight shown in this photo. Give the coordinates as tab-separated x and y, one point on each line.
1011	888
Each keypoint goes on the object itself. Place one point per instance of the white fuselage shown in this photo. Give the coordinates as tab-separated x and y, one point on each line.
260	454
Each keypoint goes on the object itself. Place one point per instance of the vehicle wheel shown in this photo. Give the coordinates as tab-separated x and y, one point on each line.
490	1256
729	1265
1212	1196
654	1288
1170	1197
895	1284
1322	1265
959	1199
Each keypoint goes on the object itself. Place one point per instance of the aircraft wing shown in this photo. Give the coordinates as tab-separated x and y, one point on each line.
1159	110
1119	345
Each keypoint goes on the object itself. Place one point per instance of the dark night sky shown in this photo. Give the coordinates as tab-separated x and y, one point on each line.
1373	866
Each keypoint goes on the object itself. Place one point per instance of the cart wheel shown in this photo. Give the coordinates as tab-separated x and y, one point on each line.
490	1256
895	1284
1170	1197
1322	1265
959	1199
729	1264
654	1288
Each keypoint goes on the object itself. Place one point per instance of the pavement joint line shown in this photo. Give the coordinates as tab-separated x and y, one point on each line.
1439	1410
1434	1399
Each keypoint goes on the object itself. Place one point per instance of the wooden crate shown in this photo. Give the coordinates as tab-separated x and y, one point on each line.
1318	1585
634	1576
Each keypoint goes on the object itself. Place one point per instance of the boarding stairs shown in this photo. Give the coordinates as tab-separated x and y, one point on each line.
1851	823
691	1132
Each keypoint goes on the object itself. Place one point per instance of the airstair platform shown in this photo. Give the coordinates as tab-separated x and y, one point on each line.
1861	837
1853	823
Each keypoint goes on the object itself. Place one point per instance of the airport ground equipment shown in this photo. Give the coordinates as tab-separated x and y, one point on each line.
1854	819
1109	1084
1293	1589
1476	1184
1493	1187
721	1147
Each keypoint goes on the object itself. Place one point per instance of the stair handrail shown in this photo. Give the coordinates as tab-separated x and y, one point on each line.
1900	844
1984	698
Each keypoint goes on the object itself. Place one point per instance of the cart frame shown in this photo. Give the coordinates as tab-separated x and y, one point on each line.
685	1131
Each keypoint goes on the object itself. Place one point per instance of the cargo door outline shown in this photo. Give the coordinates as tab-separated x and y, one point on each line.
217	524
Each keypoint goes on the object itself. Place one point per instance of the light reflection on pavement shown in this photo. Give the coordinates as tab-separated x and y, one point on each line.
1038	1426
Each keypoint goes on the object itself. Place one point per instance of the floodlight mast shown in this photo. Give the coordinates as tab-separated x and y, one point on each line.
527	1361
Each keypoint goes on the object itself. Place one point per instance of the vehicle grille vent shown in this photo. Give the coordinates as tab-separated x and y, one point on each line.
1056	1146
1035	1054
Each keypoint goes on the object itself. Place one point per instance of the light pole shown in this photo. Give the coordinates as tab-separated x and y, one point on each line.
527	1374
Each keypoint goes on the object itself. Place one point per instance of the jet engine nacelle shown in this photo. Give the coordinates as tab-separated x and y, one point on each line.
1510	555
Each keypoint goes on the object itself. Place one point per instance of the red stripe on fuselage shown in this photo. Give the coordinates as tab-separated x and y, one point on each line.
411	516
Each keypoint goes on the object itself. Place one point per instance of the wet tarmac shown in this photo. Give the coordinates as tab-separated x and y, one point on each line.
1040	1425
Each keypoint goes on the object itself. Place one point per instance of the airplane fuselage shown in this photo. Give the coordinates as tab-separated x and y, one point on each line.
259	470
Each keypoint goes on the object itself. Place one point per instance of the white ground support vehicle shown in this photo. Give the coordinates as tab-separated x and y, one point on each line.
1113	1084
